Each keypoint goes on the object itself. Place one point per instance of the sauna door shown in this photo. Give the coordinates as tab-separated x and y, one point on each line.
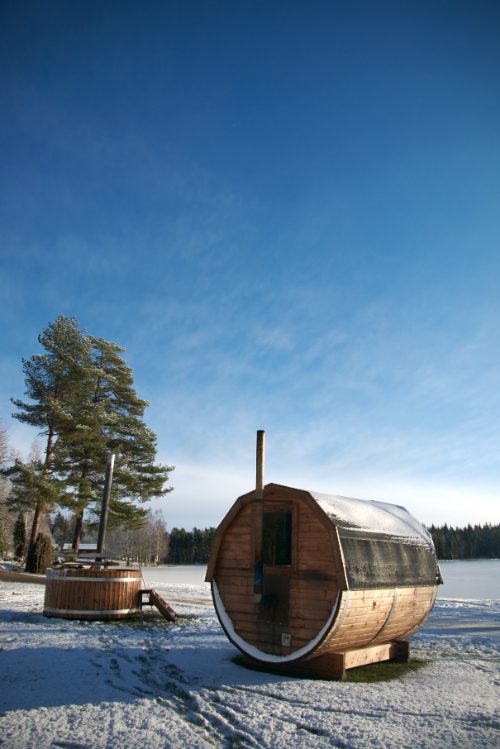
276	598
277	558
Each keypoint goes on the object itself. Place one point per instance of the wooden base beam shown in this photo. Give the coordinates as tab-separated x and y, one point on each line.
335	665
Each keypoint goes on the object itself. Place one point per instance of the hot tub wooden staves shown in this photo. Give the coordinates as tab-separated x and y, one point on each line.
92	594
298	575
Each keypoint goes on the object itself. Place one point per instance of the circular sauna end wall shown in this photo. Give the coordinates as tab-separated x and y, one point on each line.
92	594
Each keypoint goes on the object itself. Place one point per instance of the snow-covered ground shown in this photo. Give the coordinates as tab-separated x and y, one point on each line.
149	684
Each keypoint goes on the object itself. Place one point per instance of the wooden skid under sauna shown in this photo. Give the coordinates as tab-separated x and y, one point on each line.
335	665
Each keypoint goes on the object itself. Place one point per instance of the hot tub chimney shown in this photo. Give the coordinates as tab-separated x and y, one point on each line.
108	479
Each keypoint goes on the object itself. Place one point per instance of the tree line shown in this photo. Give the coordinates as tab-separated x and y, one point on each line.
190	547
150	544
82	401
471	542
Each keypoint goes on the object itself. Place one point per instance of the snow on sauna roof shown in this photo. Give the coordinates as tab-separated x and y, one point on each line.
373	518
382	543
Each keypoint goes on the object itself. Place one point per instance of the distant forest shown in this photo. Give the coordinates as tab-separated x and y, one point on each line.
472	542
189	547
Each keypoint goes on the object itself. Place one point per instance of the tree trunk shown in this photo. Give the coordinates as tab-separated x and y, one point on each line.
34	535
39	508
78	531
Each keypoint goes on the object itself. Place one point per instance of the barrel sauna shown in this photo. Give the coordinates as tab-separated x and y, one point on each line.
298	575
92	593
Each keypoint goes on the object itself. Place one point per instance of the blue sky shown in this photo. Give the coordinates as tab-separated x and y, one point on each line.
288	213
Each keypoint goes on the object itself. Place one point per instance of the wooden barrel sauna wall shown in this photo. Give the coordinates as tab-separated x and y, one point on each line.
336	574
92	594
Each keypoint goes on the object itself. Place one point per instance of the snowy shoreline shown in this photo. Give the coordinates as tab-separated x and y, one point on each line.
149	684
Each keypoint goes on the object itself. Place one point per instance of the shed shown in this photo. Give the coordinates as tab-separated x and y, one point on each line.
298	575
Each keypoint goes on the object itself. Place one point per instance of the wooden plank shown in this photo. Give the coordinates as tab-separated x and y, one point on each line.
235	572
376	654
163	607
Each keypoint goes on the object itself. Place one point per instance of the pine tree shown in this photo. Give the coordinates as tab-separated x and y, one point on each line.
111	422
84	402
55	384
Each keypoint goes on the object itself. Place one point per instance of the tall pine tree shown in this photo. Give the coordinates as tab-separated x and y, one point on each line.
84	402
112	421
55	383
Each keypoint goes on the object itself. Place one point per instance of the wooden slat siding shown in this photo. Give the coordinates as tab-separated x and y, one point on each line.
237	588
300	638
242	587
363	629
311	600
362	622
234	511
246	620
308	613
409	615
234	558
247	612
370	621
113	592
239	592
313	623
231	575
313	591
73	596
433	594
66	596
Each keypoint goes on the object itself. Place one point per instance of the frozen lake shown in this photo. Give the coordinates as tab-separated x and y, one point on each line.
181	574
477	579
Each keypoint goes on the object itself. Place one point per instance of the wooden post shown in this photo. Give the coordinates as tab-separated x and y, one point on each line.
105	502
259	515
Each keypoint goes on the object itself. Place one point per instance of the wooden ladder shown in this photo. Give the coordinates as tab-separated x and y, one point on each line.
153	598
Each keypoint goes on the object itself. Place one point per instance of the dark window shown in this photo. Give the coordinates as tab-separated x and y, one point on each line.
277	538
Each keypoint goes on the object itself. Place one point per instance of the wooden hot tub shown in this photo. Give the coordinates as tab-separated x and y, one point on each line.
92	593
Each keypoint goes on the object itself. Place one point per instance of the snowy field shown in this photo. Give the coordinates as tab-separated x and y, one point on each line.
150	684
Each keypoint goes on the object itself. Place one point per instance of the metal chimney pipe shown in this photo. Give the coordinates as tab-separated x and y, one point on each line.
105	502
259	467
259	516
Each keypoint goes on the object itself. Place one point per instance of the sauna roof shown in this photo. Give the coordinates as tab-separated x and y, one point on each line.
373	518
382	544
